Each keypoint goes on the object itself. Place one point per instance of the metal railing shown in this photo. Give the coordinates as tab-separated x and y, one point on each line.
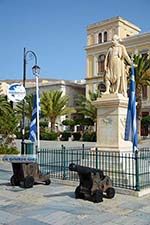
127	170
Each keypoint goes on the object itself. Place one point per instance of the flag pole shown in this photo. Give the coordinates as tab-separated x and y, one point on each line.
36	70
131	122
37	102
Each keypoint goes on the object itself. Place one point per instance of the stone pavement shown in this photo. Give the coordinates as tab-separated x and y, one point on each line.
74	144
55	205
58	144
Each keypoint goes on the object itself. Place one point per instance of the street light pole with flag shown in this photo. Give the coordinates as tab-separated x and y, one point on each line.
131	121
34	126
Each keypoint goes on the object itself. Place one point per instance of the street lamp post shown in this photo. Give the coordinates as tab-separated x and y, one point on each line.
36	70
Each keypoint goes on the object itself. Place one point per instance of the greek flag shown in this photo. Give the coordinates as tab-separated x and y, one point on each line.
131	123
33	124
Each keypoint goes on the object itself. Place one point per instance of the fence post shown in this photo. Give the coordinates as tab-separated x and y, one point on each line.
64	163
137	170
96	151
37	153
82	151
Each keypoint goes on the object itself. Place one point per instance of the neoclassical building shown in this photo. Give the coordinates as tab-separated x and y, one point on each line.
99	36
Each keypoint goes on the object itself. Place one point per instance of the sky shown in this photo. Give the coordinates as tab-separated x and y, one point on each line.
56	31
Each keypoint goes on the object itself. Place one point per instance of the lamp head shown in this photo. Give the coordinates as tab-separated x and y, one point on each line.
36	70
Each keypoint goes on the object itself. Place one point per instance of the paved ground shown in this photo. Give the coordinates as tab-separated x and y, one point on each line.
58	144
55	205
74	144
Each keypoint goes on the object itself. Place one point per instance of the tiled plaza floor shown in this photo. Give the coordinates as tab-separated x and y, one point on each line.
55	205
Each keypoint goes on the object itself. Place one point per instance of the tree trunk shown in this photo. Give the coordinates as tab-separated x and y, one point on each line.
53	120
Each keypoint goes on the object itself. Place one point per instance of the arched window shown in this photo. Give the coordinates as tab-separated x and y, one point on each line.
105	36
100	38
101	60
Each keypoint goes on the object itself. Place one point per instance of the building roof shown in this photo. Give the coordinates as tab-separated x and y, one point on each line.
113	19
46	82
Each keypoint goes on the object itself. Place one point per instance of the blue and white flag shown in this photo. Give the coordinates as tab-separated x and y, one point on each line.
33	124
131	122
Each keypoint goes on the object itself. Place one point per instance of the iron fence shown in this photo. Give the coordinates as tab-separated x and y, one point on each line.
127	170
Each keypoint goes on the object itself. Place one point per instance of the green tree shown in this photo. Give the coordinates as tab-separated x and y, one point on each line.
85	106
146	121
28	106
8	120
53	105
142	78
8	126
4	106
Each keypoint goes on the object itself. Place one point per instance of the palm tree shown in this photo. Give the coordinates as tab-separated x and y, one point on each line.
28	106
85	106
5	110
8	120
4	106
8	126
142	78
53	105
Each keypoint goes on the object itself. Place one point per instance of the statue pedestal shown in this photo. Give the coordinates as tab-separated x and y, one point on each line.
111	119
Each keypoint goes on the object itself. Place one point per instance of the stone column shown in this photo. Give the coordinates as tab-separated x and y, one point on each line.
111	119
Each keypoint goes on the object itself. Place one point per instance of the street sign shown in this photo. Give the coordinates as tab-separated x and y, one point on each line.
16	92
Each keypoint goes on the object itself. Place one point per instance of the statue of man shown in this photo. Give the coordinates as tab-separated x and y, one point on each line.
117	63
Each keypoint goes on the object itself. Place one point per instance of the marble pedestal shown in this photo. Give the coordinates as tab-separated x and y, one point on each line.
111	119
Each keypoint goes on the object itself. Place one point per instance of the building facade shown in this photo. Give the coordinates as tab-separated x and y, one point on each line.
99	37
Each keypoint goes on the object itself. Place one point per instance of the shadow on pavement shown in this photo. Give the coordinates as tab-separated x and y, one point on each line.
5	183
70	194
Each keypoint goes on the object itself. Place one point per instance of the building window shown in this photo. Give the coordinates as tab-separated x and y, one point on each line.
101	60
105	36
100	38
144	128
144	92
